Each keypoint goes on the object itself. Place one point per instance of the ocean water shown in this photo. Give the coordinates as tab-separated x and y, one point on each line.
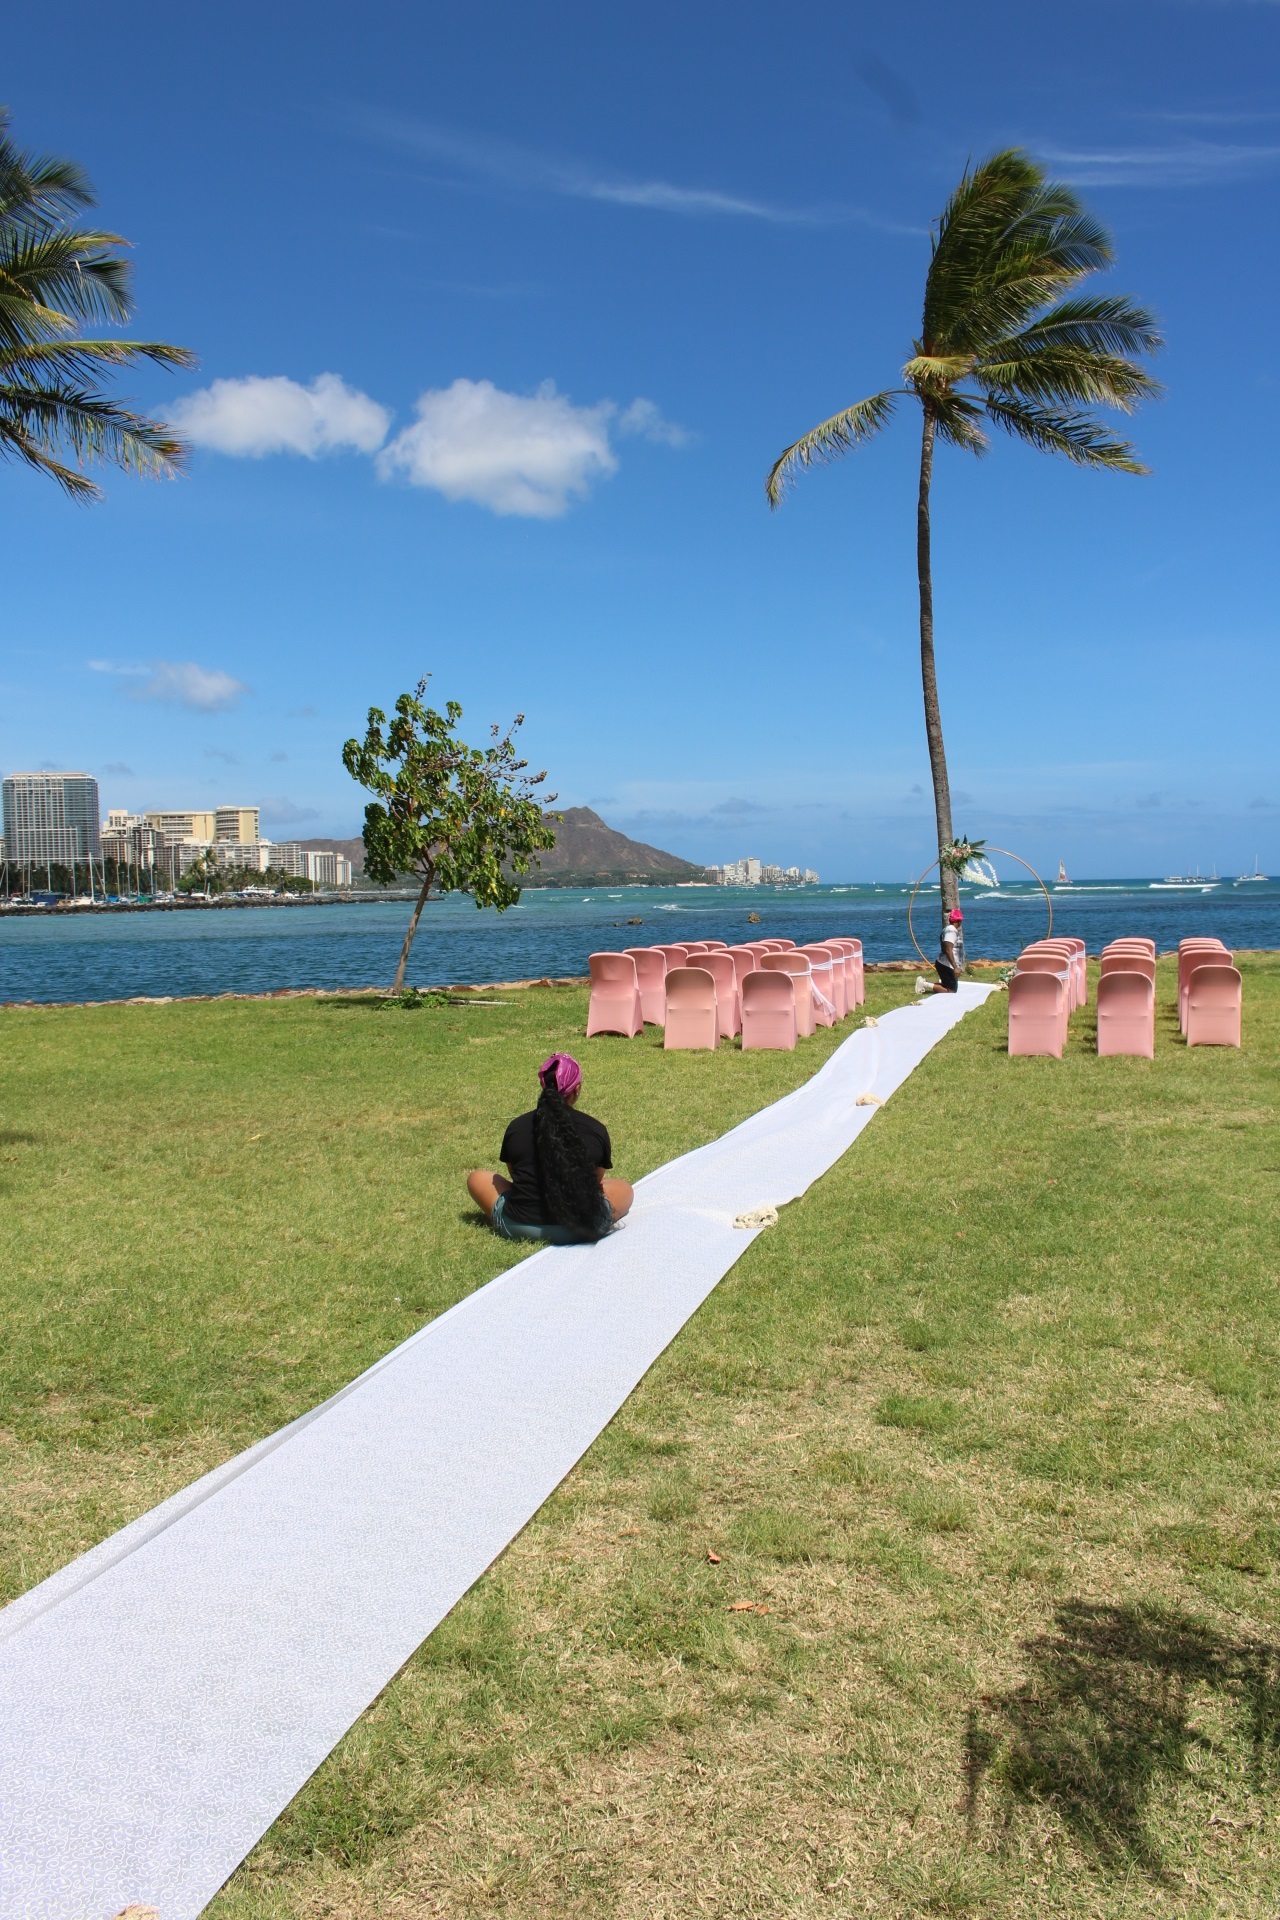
112	956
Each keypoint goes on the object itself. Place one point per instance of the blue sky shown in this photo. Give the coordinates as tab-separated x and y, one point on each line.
578	275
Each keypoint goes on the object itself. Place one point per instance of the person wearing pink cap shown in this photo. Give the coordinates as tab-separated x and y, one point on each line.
557	1159
949	964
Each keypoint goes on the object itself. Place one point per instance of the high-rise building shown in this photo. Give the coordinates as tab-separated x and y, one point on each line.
185	829
237	824
50	818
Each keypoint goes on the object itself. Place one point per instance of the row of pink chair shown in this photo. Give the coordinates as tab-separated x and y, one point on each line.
701	992
1127	998
1049	983
1210	994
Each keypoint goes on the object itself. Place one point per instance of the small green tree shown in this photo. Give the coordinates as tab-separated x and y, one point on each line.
460	818
204	875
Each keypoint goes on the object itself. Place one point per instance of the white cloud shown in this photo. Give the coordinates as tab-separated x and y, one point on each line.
1191	163
513	453
524	170
642	417
181	683
258	415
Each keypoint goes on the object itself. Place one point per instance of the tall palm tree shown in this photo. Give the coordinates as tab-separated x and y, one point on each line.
1005	334
55	277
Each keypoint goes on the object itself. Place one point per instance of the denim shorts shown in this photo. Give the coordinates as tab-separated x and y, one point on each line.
551	1235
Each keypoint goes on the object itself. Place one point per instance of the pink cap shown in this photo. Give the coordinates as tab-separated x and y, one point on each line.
955	916
567	1072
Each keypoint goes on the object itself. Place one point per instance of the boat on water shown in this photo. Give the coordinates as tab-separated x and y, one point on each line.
1062	880
1247	879
1182	883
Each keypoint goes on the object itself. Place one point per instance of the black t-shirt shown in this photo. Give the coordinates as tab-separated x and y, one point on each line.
526	1202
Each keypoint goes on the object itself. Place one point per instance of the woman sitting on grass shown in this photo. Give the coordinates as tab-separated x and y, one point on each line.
557	1159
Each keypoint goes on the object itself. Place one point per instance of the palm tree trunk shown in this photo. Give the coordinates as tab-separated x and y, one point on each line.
948	887
397	984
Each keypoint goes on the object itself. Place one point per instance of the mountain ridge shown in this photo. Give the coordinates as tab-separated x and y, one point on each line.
587	852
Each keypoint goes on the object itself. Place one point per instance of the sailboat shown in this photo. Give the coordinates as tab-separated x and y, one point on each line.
1246	879
1062	880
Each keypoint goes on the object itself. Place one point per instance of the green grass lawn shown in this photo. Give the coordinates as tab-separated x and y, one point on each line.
934	1569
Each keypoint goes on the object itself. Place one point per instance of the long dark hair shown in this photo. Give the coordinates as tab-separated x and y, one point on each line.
565	1173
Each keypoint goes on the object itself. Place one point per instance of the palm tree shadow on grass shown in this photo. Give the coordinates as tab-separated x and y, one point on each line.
1105	1717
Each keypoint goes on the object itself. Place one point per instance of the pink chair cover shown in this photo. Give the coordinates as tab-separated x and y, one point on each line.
769	1010
1215	999
1037	1013
614	1006
722	970
797	965
651	978
691	1010
1127	1013
826	972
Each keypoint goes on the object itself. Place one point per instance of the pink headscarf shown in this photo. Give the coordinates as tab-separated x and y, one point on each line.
568	1074
955	916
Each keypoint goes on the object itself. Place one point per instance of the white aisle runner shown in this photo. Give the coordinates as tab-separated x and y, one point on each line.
166	1695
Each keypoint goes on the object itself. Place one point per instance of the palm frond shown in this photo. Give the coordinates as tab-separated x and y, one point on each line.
38	185
71	271
47	418
934	372
835	437
79	359
18	446
1059	375
1074	435
1105	323
54	278
1008	242
957	417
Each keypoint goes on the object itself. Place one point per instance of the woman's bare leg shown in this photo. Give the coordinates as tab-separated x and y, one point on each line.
484	1188
619	1194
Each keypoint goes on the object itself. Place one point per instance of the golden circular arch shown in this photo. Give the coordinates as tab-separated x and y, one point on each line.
985	851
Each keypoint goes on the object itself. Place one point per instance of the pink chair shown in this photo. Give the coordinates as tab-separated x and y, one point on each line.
769	1010
651	978
691	1009
1127	1013
1133	940
1037	1013
1069	954
786	945
1033	960
674	956
1135	962
717	946
774	946
1193	954
824	964
797	965
697	946
1215	997
858	997
722	970
745	960
615	995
